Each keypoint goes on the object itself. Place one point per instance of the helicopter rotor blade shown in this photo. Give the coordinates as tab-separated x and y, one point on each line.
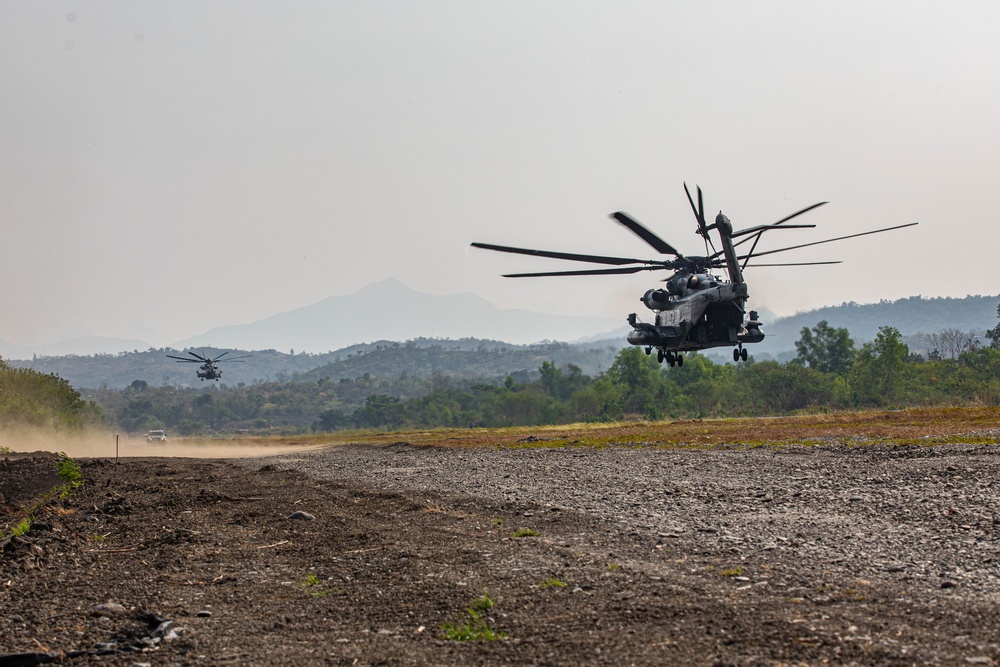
197	356
649	237
839	238
699	214
805	210
701	222
237	359
759	232
185	359
585	272
699	211
754	266
764	228
775	225
595	259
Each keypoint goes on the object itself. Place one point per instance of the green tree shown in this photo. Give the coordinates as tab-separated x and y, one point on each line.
777	388
330	420
39	399
637	374
877	376
994	333
825	348
379	410
559	384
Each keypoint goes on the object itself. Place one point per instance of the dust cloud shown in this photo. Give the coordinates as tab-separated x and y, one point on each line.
96	444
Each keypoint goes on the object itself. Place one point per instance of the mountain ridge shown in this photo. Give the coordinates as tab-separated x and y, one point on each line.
379	311
390	310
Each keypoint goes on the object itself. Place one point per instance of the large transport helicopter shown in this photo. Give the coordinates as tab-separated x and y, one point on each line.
209	369
697	309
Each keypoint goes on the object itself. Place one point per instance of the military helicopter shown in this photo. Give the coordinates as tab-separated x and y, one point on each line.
697	309
209	370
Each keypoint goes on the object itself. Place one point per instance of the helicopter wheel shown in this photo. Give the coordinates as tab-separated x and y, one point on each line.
648	350
680	360
736	354
743	354
659	356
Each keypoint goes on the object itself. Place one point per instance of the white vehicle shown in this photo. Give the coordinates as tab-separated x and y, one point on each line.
156	436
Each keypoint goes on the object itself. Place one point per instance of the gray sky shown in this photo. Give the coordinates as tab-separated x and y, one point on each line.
168	167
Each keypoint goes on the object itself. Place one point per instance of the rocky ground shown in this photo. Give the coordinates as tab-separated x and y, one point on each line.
731	555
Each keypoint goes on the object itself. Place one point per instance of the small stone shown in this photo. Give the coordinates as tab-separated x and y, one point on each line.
855	499
979	660
109	609
304	516
165	630
204	613
948	584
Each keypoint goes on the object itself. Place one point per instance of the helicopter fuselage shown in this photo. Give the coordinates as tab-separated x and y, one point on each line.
696	312
209	372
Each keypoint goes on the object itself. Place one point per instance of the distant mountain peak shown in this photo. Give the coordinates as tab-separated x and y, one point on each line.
391	310
389	285
398	293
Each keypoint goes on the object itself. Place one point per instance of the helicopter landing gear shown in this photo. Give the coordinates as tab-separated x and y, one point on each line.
673	358
740	354
659	356
648	350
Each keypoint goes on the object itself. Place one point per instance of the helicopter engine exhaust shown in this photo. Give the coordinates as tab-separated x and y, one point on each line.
656	299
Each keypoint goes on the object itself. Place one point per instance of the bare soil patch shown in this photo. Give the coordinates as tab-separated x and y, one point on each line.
833	553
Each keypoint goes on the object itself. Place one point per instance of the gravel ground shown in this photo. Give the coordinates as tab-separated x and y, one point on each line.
636	555
906	526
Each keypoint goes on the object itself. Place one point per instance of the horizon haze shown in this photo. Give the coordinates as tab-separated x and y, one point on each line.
171	168
389	310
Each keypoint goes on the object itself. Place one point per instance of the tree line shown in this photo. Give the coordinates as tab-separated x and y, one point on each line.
30	398
829	372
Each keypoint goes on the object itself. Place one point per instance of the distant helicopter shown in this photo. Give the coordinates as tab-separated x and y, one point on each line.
697	309
209	370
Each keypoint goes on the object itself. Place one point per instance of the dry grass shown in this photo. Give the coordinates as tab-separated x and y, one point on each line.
974	425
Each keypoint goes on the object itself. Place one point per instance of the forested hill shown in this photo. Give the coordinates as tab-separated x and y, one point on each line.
473	358
912	315
453	361
465	358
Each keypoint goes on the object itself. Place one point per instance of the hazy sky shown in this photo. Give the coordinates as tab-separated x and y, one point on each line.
168	167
